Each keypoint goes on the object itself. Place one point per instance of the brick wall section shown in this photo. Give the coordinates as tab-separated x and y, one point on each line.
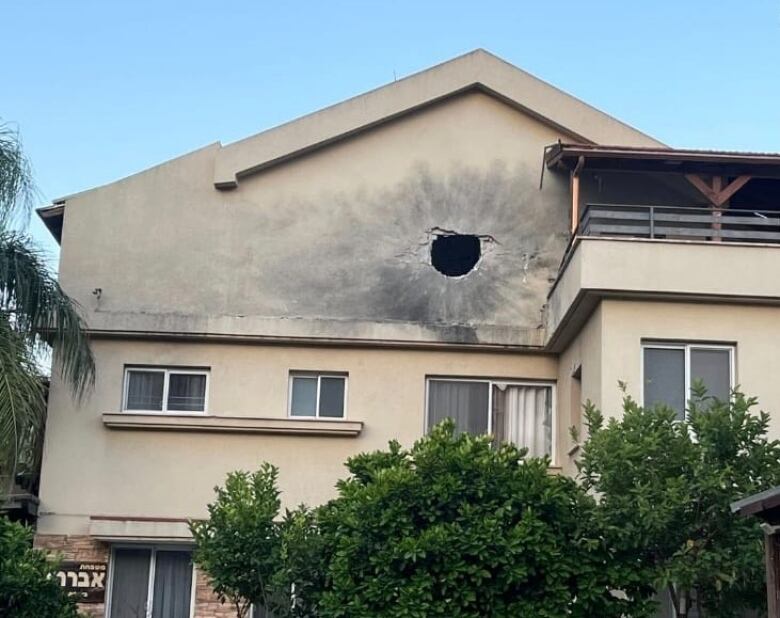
77	548
206	603
87	549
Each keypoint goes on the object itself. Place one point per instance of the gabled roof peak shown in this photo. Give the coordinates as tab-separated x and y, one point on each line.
478	69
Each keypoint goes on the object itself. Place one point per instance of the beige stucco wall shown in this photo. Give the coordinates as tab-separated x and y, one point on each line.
706	271
752	329
609	349
334	243
91	470
583	355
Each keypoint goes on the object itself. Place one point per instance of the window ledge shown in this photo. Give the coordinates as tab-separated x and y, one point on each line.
231	424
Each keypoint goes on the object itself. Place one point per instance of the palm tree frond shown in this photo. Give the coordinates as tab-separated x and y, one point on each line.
22	402
16	184
41	312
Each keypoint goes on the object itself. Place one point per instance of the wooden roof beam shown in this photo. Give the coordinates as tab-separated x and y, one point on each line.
715	192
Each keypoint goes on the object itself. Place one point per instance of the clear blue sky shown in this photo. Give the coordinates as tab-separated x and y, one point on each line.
104	89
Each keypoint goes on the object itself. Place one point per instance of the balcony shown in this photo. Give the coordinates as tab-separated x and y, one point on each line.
680	223
649	253
711	235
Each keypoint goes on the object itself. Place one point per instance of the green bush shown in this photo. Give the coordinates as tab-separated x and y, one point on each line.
27	586
456	527
665	490
238	546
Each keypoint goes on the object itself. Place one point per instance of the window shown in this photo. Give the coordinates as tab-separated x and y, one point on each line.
150	582
516	412
317	395
156	389
669	370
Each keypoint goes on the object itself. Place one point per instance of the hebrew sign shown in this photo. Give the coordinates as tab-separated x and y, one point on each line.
84	580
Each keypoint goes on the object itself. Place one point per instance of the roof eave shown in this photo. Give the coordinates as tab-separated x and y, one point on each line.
620	158
52	217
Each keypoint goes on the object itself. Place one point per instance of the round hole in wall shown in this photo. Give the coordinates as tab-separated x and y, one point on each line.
455	255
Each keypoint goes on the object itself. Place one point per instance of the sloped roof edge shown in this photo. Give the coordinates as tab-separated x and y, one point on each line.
476	69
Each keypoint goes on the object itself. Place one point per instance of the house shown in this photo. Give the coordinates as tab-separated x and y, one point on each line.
467	242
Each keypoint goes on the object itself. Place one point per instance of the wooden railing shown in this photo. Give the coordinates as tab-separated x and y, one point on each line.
684	223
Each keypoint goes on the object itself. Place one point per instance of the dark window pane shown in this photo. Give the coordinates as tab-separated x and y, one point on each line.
172	585
332	397
144	390
665	379
304	397
464	402
713	367
187	392
130	583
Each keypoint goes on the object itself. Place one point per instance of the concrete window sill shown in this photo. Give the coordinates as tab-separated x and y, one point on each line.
231	424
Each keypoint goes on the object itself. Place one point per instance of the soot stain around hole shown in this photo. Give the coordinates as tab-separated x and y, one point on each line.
455	255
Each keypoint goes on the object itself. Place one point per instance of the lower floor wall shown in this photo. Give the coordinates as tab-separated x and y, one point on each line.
82	548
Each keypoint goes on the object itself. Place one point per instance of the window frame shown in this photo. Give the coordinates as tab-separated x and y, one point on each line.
166	371
153	549
319	375
491	382
686	347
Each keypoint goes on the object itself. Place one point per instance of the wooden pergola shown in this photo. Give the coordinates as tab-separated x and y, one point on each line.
766	507
717	175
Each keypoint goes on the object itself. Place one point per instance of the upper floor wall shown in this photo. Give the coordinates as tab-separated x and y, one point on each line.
325	228
336	243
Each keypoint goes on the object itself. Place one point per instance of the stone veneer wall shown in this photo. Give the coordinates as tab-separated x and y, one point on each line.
85	548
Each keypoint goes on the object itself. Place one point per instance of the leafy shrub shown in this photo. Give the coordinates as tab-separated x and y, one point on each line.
665	490
27	586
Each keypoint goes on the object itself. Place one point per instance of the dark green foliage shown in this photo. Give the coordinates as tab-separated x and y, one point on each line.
666	488
239	545
455	527
27	589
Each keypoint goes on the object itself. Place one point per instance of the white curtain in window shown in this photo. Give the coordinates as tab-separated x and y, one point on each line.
145	390
523	416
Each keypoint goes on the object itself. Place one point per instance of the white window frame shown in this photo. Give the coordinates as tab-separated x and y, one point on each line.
319	375
167	371
153	549
686	347
491	382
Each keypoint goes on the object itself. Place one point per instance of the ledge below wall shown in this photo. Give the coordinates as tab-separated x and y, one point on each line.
231	424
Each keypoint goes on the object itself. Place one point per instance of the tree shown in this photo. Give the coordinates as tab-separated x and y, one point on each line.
27	588
458	527
35	314
239	545
452	527
665	487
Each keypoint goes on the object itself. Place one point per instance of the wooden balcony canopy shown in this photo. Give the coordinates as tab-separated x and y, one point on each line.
717	174
670	160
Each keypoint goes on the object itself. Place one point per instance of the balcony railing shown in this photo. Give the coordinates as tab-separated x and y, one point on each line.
680	223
